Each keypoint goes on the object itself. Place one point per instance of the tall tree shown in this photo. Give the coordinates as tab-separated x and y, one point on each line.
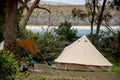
29	11
11	21
91	6
100	20
11	27
93	17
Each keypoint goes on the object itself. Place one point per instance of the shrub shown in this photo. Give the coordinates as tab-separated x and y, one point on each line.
8	67
109	45
65	32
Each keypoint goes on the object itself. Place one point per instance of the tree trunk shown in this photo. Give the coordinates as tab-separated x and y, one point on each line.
29	12
93	16
92	22
100	21
11	27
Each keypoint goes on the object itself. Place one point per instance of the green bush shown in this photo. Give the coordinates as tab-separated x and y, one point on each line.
65	32
49	46
8	66
109	45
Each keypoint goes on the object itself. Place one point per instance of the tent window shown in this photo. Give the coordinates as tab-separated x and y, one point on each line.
86	41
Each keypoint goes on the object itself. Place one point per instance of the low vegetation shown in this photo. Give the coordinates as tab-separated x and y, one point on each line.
52	74
8	66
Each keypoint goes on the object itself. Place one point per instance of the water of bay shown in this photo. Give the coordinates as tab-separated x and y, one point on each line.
80	30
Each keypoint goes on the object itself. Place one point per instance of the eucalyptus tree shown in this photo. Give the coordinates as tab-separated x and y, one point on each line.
96	13
91	7
11	27
34	5
12	19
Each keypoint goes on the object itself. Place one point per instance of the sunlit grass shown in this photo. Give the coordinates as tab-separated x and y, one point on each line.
52	74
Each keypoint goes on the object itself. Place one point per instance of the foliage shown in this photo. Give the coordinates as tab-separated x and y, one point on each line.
20	13
65	32
8	67
22	54
49	45
24	33
47	42
20	29
76	12
115	4
109	45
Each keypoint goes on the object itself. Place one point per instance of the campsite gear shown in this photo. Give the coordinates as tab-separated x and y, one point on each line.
31	64
82	55
31	61
29	45
23	67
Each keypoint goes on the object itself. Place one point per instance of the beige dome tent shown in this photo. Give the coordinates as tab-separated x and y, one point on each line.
1	45
82	55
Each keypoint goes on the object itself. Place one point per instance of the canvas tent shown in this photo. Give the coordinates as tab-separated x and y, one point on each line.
1	45
82	55
29	45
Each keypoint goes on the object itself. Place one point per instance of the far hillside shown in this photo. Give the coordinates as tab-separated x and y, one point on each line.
60	13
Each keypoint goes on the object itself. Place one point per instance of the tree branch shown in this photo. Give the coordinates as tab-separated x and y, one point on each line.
43	8
29	12
24	4
107	26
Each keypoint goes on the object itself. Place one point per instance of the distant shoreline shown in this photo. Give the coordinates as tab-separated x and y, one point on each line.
78	27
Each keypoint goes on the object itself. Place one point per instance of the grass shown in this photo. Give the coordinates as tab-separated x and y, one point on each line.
51	74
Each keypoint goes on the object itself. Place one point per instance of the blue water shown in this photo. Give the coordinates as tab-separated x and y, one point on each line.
84	31
79	31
